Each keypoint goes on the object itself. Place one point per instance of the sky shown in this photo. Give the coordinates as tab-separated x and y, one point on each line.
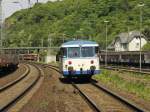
8	7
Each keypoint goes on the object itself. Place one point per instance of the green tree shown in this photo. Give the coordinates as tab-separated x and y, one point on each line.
75	19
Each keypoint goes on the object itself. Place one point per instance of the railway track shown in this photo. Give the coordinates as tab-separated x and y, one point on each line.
104	99
11	83
135	70
128	69
14	91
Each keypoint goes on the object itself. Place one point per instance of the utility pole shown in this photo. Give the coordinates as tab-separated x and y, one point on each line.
42	42
37	1
141	20
1	25
64	37
49	42
106	22
29	3
49	45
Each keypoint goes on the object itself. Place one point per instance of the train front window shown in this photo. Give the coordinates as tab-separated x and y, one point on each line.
87	51
73	52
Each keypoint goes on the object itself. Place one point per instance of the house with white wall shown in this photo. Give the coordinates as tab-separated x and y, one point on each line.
128	41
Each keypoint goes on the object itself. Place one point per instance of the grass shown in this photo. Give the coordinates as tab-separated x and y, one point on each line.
135	87
54	63
139	75
130	76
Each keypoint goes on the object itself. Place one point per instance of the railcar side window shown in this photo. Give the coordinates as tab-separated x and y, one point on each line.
73	52
87	51
64	52
96	50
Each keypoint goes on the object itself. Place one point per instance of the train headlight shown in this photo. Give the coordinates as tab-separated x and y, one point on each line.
92	67
70	68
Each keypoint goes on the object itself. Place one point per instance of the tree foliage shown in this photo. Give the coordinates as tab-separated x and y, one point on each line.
75	19
146	47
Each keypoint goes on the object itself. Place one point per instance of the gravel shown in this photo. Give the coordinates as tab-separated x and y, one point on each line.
55	95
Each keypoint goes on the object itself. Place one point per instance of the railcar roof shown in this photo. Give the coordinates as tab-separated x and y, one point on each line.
77	43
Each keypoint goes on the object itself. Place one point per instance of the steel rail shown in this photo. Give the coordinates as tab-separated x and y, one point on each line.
14	100
91	103
54	67
118	97
112	68
87	99
115	95
128	70
8	85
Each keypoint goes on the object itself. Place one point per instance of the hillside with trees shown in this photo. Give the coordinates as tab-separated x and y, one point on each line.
82	19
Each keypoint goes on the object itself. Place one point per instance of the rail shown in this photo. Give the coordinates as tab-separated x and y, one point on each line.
135	70
15	81
120	98
6	106
113	94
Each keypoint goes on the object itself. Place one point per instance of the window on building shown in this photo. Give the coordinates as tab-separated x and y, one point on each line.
125	46
137	37
137	45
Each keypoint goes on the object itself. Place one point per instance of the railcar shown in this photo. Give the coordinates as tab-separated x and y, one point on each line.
8	62
79	58
126	58
28	57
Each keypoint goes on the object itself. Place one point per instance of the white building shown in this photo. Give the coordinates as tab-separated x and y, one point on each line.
128	41
50	58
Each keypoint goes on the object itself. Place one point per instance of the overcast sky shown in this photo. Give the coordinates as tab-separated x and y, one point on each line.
8	7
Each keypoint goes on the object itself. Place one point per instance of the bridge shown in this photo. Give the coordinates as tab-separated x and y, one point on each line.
27	48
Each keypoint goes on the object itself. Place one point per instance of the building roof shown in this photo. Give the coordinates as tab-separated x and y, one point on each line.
77	43
127	37
123	37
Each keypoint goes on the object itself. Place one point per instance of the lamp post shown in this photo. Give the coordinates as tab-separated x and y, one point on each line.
106	22
64	37
49	40
1	24
29	3
141	20
42	42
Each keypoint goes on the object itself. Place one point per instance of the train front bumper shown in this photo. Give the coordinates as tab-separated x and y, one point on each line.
80	73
